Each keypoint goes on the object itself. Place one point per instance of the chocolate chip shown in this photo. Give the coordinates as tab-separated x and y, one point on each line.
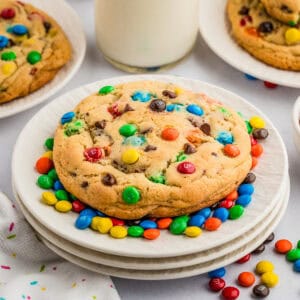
169	94
260	134
133	222
205	128
250	178
101	124
128	108
261	291
189	149
158	105
150	148
11	43
73	174
259	249
286	9
33	71
244	11
270	238
265	27
148	130
109	179
84	184
47	26
214	154
214	206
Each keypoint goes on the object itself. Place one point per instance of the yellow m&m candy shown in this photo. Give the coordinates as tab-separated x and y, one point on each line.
192	231
48	154
49	198
8	68
269	279
63	206
104	225
130	156
292	36
257	122
118	232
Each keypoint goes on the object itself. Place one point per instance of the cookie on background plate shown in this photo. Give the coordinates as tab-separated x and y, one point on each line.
150	148
33	48
287	11
266	38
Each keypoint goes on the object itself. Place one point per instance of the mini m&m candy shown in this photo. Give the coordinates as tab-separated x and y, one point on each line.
141	96
118	232
49	198
128	130
225	138
34	57
19	29
8	56
257	122
151	234
131	195
195	109
269	279
104	225
8	13
3	41
106	90
192	231
44	165
63	206
186	168
246	279
283	246
67	117
170	134
130	156
217	273
264	266
296	266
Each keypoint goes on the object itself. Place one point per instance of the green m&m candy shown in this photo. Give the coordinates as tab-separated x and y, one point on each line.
128	130
236	212
34	57
61	195
178	226
131	195
49	143
52	174
45	182
160	178
106	90
135	231
8	56
293	254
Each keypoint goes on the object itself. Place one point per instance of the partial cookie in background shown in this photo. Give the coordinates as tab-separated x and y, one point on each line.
150	149
268	39
287	11
33	48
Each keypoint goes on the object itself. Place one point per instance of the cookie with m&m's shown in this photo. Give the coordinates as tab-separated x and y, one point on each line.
269	30
150	148
33	48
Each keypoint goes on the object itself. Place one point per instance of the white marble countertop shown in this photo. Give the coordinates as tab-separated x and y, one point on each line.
204	65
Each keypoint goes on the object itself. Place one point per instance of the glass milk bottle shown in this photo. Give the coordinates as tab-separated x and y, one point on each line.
145	35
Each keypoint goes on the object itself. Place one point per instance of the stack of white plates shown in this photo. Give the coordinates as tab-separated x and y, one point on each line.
169	256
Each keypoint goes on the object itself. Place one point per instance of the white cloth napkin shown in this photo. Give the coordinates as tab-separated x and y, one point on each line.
30	271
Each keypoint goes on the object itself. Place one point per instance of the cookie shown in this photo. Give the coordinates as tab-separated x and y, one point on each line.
287	11
268	39
33	48
150	149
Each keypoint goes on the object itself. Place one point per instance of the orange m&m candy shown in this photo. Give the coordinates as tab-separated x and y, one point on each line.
212	224
254	162
257	150
170	134
246	279
164	223
151	234
44	165
283	246
231	150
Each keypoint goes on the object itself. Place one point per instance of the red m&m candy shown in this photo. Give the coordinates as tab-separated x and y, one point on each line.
186	168
78	206
230	293
93	154
216	284
8	13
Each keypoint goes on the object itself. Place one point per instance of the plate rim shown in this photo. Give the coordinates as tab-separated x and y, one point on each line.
76	65
219	7
126	79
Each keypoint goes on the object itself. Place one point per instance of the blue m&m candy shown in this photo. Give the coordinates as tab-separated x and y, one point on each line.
148	224
3	41
88	212
221	213
141	96
58	185
195	109
225	137
19	29
246	189
243	200
250	77
83	222
67	117
217	273
135	141
197	220
205	212
297	266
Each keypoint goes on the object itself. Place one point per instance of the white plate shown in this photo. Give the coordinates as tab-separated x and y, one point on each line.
270	178
179	272
153	263
70	22
216	35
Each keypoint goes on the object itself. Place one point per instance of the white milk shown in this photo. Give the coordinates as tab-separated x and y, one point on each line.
146	33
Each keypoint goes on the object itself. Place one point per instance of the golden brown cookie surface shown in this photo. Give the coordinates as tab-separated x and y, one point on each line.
150	148
32	49
266	38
